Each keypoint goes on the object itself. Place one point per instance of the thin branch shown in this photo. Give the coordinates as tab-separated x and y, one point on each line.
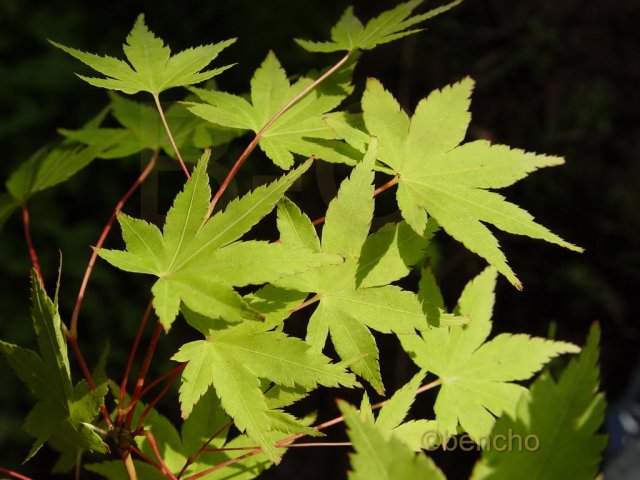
27	235
254	143
295	445
14	474
284	442
143	373
103	236
129	467
78	469
376	192
146	458
176	373
195	456
132	353
386	186
154	447
156	98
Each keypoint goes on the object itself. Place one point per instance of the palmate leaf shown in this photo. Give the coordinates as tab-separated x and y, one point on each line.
477	375
557	424
233	361
349	34
299	130
381	455
62	408
151	66
346	311
198	261
447	180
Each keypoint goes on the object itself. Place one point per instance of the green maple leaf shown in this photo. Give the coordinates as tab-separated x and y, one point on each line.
450	181
198	261
142	129
49	167
62	409
233	361
477	375
354	297
300	129
151	66
557	424
380	454
349	34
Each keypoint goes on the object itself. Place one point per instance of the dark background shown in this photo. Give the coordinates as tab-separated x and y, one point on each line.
554	77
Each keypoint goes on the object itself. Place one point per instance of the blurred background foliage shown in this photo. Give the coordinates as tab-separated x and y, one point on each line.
554	77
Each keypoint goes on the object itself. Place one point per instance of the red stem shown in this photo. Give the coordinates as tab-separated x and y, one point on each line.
296	445
154	447
195	456
292	438
254	143
147	459
143	373
14	474
176	373
377	191
103	236
386	186
132	353
27	235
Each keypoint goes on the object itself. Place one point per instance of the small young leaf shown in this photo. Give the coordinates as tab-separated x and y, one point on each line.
151	67
349	34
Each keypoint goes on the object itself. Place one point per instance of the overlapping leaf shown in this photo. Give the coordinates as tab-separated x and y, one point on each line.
198	261
380	454
49	167
151	66
477	375
349	34
142	129
62	409
233	361
301	129
346	310
555	427
450	181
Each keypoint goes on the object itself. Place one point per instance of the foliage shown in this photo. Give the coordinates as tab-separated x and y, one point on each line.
242	296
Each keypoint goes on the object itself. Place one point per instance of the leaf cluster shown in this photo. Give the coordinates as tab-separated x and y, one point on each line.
344	284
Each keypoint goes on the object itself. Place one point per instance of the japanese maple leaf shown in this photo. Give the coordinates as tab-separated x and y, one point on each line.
349	34
151	66
355	296
198	260
298	130
233	360
439	176
477	375
63	409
